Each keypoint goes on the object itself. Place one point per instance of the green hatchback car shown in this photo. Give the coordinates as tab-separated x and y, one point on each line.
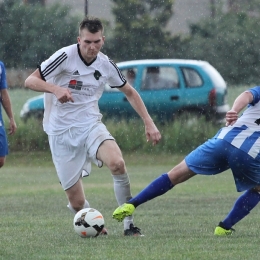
168	87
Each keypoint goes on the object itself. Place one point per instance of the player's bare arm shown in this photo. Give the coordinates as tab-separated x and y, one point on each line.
36	83
6	102
240	103
151	131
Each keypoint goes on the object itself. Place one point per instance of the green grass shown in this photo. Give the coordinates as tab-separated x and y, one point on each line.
35	223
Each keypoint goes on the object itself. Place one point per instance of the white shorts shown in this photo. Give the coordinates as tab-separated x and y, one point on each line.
74	150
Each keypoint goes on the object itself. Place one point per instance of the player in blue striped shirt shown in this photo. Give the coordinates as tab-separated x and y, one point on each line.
236	146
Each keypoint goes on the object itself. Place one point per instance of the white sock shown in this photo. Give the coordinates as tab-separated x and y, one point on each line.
86	205
123	194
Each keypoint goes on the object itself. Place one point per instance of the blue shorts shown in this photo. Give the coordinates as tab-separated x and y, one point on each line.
3	142
217	155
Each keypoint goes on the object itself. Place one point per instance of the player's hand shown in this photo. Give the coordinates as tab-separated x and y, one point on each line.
231	117
12	127
63	95
152	133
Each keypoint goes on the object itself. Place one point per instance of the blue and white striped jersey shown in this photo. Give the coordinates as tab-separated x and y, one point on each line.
245	133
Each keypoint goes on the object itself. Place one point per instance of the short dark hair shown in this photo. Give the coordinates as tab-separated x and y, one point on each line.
92	24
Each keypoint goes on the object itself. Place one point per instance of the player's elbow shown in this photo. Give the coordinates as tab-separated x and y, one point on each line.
27	82
30	82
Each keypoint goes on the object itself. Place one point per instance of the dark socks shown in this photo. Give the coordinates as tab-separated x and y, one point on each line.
242	207
156	188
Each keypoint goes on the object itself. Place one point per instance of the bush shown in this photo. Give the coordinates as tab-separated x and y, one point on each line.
177	137
230	42
31	33
29	137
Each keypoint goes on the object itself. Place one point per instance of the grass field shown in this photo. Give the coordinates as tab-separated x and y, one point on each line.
35	223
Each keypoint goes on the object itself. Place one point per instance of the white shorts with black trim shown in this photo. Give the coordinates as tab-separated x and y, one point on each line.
74	150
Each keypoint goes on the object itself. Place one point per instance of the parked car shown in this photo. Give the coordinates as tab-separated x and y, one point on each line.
167	86
33	107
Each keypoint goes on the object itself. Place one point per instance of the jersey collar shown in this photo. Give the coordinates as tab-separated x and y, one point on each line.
87	64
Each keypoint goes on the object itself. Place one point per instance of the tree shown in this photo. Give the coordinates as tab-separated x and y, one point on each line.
140	29
249	6
231	44
31	33
34	2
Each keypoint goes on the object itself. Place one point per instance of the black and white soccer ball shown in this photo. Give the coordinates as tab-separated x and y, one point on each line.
88	222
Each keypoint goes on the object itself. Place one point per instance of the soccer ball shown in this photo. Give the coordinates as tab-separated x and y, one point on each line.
88	222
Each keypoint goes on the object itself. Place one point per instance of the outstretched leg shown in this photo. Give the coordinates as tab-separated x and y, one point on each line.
158	187
242	207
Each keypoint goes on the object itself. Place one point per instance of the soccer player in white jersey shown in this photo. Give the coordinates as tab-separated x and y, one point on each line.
235	147
73	79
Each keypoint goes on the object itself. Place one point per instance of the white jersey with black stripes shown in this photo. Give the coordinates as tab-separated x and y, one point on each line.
67	68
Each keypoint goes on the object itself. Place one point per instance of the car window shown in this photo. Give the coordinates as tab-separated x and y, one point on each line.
160	78
192	78
129	74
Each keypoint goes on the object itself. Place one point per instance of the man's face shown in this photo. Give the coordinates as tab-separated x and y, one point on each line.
90	44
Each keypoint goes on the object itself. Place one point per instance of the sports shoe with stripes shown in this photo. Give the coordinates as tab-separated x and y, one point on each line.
123	211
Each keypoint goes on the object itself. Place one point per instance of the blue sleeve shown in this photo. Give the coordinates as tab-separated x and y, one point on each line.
256	95
3	84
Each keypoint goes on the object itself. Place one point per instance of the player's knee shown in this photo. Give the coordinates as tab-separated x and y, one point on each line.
117	166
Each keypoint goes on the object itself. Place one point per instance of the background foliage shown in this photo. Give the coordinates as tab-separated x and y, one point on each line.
231	42
140	29
228	39
31	33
